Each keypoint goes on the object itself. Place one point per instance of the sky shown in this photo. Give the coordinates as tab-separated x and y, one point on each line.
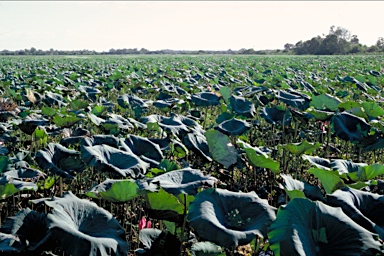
181	25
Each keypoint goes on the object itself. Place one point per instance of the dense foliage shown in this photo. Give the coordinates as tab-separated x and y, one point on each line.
191	155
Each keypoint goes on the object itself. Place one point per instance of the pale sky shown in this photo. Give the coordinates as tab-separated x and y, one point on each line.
181	25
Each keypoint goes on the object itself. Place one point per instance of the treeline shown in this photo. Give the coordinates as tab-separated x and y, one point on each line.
338	41
135	51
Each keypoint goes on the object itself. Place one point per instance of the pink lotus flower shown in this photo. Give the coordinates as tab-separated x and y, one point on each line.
143	223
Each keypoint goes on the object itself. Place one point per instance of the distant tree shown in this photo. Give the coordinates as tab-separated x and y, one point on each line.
33	50
288	46
354	39
380	42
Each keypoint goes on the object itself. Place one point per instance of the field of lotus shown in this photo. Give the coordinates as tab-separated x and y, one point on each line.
192	155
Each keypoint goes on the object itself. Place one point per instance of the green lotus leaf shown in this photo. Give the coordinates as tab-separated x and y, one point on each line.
65	121
303	227
293	99
116	191
303	147
226	93
221	148
372	109
365	208
132	101
141	146
241	106
350	127
321	115
78	104
205	99
365	173
197	142
164	201
343	167
95	140
108	159
233	126
59	160
28	125
259	158
83	228
329	180
157	242
276	115
325	102
171	124
30	229
94	119
184	181
235	218
292	187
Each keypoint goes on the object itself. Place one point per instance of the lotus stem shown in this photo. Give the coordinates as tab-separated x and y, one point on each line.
184	222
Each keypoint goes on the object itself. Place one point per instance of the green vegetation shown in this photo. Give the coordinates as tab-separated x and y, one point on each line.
192	155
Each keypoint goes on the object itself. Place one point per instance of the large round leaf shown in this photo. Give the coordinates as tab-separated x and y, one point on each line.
205	99
109	159
82	228
60	160
233	126
276	115
30	229
350	127
142	147
229	218
303	227
365	208
242	107
186	181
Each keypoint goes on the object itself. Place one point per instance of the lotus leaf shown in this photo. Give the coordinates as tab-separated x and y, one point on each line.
108	159
363	207
242	107
30	229
221	148
185	181
157	242
303	227
235	218
205	99
350	127
82	228
59	160
234	126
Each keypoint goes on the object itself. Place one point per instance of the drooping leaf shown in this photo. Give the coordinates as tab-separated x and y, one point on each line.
185	181
108	159
221	148
294	187
233	126
303	227
364	208
60	160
